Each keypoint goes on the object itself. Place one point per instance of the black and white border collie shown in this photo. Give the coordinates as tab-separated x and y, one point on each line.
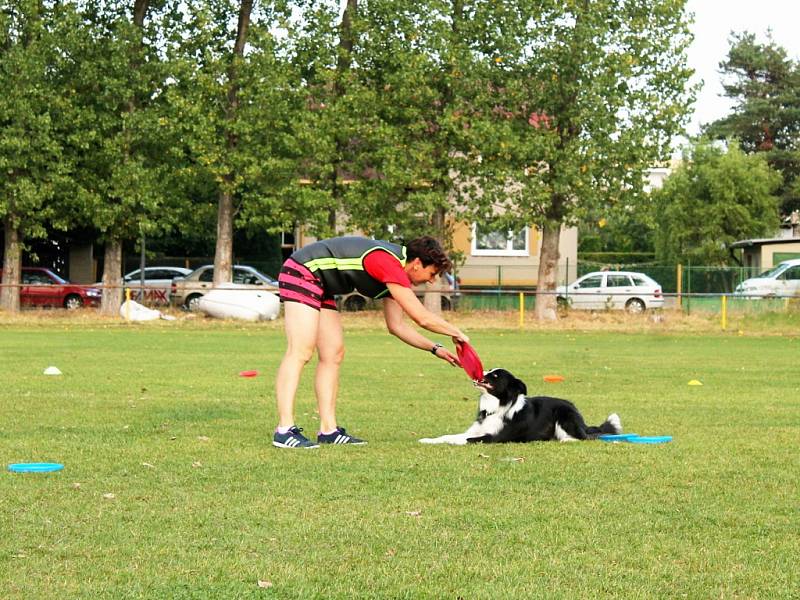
506	414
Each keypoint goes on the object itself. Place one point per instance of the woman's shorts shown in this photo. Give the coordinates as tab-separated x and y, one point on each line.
298	284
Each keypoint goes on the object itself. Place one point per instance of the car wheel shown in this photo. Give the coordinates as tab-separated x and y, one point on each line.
192	303
562	302
635	306
72	302
355	303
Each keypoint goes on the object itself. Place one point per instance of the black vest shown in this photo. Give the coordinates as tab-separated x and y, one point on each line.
339	264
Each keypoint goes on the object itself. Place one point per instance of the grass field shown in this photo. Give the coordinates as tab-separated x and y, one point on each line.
171	488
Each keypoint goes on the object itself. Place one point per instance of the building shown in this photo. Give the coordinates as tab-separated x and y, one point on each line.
765	253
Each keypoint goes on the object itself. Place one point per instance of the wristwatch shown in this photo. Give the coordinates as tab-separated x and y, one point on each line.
435	348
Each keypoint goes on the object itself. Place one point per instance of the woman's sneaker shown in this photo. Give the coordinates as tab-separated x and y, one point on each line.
339	436
292	439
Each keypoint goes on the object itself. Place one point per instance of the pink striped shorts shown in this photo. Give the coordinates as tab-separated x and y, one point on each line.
298	284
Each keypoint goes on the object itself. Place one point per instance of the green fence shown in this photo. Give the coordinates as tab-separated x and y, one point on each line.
694	279
695	302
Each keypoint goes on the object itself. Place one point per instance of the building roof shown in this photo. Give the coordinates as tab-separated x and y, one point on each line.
764	242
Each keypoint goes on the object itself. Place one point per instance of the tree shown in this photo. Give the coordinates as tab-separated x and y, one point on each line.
764	85
114	133
580	97
717	196
31	161
231	99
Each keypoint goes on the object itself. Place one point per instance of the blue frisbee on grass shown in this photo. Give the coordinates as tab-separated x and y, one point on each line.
618	437
35	467
654	439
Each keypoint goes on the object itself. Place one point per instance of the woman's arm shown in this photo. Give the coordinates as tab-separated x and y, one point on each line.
395	307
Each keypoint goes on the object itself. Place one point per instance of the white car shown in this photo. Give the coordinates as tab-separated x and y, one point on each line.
634	292
157	283
187	291
782	281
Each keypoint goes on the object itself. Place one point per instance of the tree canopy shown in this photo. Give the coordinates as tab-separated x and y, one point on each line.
580	97
384	118
764	84
717	196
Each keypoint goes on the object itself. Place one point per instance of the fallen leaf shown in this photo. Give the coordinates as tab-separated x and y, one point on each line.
109	496
414	513
483	455
264	584
76	485
148	465
203	438
197	464
391	552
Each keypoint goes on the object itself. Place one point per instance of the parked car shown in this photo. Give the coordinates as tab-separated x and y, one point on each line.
157	283
43	287
634	292
354	301
187	291
779	282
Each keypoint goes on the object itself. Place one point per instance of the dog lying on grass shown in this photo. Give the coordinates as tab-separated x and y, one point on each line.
506	414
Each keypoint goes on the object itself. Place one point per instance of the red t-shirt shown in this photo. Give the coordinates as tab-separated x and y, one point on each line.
384	267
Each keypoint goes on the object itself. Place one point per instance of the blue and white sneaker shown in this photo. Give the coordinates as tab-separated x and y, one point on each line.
339	436
292	439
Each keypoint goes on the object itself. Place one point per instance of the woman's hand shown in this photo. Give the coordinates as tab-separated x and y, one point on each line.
445	354
461	337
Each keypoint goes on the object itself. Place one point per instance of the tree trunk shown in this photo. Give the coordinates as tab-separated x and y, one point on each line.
223	256
548	271
433	292
112	278
139	11
12	267
344	60
433	296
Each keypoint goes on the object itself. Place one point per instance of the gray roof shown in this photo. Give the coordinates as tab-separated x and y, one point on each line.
764	242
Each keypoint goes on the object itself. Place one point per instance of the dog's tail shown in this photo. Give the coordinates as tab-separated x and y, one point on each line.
612	424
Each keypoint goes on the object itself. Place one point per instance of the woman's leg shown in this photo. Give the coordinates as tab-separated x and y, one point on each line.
302	324
330	348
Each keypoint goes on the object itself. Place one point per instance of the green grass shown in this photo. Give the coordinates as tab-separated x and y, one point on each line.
205	507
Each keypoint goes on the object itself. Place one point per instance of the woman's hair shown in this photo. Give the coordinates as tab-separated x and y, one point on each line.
430	252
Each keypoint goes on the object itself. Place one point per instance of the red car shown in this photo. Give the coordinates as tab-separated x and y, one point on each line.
42	287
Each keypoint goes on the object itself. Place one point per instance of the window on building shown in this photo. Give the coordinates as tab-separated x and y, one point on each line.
488	242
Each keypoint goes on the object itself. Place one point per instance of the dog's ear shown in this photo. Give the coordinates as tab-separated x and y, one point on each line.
518	387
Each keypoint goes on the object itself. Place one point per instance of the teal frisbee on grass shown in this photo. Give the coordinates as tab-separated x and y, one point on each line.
618	437
34	467
654	439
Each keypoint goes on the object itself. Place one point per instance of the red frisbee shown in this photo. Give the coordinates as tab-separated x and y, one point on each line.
469	360
248	373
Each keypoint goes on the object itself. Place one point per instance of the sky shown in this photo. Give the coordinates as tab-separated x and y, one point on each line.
714	21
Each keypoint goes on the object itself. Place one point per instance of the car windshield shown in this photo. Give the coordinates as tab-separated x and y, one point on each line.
250	277
51	278
774	272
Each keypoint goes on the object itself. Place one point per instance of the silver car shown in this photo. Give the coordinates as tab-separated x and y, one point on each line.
157	283
622	290
187	291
